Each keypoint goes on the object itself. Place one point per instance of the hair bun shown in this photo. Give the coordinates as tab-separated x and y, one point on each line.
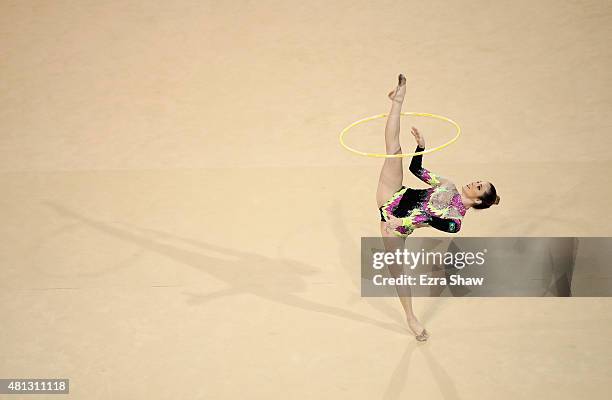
496	200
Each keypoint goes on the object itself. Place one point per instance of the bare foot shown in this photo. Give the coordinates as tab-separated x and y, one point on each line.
398	93
420	333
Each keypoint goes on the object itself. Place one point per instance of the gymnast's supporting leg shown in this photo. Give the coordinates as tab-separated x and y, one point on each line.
403	292
391	175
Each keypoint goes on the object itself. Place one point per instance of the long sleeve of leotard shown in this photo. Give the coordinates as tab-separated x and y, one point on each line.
450	225
422	173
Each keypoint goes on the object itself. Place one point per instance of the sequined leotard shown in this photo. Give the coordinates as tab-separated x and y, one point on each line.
439	206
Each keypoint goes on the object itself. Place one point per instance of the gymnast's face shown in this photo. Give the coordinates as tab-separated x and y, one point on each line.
475	190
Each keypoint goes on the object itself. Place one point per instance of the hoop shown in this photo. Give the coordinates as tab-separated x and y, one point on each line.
361	153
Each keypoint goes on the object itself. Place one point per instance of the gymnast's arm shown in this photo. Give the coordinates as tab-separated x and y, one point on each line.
450	225
422	173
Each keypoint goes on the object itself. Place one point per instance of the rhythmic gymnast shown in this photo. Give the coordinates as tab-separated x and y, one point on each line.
402	209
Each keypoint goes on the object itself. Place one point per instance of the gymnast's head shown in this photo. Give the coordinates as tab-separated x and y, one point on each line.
480	194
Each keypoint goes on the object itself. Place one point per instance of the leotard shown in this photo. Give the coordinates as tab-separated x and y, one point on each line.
439	206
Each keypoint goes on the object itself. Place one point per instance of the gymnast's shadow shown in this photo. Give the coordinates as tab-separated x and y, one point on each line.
400	377
274	279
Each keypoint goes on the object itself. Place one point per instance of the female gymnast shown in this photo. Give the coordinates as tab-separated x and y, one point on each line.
402	209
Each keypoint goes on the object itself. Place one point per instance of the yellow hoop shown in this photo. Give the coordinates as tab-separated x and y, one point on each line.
399	155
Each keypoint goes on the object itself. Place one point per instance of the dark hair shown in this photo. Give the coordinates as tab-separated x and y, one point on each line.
488	199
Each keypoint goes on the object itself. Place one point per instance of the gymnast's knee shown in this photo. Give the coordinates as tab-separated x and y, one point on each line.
398	150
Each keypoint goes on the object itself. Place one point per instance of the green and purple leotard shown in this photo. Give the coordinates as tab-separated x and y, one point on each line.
439	206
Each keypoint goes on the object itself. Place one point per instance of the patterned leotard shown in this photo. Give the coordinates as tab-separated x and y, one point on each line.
439	206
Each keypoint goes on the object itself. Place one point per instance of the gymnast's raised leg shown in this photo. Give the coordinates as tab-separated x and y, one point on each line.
391	174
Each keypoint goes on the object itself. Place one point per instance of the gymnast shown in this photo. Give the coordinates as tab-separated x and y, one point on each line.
402	209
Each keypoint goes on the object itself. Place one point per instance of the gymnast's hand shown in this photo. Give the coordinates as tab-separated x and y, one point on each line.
392	224
419	138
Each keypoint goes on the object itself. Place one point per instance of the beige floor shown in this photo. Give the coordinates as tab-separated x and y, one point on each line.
179	221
